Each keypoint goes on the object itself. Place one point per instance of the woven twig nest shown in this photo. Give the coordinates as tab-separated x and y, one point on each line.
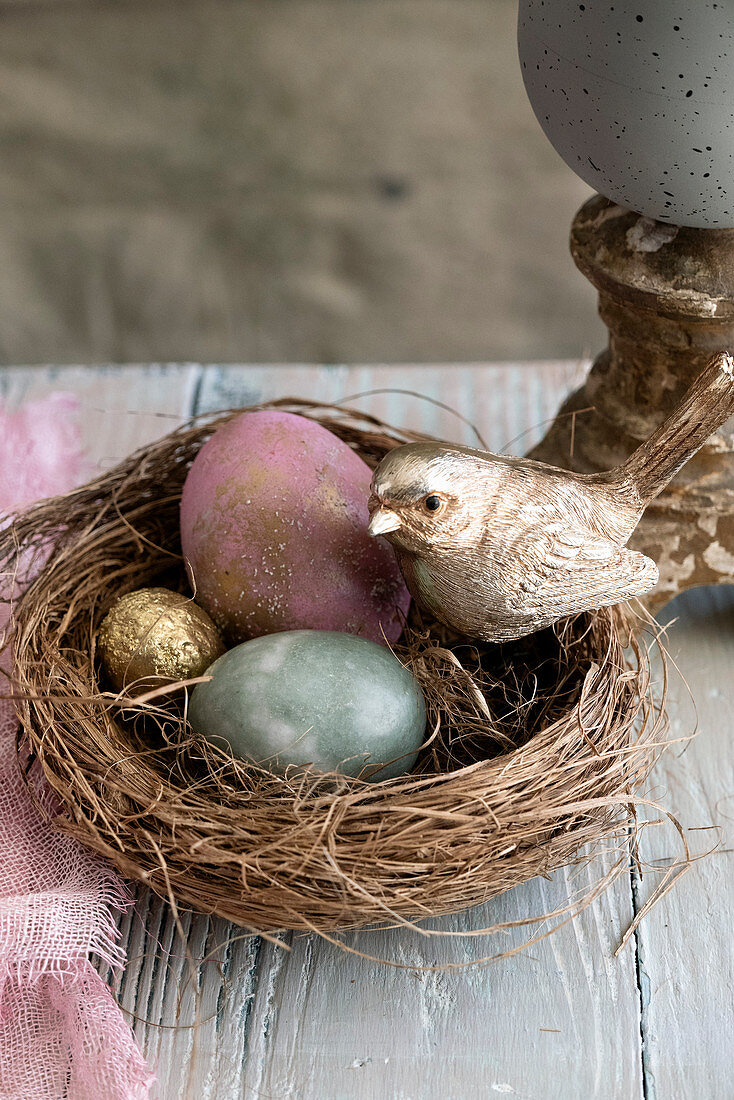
536	748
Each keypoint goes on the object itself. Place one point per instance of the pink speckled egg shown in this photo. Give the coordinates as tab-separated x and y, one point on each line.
274	531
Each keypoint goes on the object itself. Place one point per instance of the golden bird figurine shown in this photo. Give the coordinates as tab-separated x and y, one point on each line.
498	547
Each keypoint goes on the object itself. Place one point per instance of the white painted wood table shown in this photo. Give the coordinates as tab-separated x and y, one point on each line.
564	1019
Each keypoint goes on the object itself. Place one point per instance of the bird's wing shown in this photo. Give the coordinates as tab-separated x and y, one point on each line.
577	571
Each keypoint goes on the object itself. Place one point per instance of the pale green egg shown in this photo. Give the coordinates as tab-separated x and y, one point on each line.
331	701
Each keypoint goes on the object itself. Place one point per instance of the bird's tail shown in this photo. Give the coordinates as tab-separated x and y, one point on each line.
705	407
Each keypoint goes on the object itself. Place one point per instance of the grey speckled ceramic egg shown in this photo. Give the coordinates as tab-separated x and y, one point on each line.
638	98
314	698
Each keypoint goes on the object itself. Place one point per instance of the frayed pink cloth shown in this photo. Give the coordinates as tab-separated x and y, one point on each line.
62	1036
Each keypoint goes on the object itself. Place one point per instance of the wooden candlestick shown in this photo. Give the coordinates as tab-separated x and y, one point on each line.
667	297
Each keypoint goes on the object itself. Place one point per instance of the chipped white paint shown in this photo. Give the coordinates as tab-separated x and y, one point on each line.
721	443
315	1023
673	573
703	303
608	213
708	522
648	235
720	559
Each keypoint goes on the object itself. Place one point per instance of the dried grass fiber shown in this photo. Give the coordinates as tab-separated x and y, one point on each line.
537	747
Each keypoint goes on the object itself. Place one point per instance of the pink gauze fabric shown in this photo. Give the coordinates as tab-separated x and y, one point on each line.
62	1035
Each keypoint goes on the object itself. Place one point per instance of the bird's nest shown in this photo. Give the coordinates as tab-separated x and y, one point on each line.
535	748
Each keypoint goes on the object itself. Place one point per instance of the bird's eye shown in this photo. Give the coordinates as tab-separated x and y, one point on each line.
433	503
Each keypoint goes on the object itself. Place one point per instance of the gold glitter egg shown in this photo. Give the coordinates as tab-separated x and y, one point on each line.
156	634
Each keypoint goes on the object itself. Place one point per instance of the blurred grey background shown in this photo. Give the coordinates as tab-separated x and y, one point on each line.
279	180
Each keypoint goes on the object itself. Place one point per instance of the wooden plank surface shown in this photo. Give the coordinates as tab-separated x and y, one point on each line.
685	961
563	1019
121	408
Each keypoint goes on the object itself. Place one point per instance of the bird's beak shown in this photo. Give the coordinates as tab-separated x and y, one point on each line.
383	521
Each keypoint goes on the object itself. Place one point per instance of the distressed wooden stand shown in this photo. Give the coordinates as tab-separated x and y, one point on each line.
667	297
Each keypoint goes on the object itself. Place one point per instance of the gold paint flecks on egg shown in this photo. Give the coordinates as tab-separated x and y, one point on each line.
156	634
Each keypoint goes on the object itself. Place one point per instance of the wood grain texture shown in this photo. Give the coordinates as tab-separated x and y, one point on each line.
668	310
121	408
563	1019
326	1024
686	967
